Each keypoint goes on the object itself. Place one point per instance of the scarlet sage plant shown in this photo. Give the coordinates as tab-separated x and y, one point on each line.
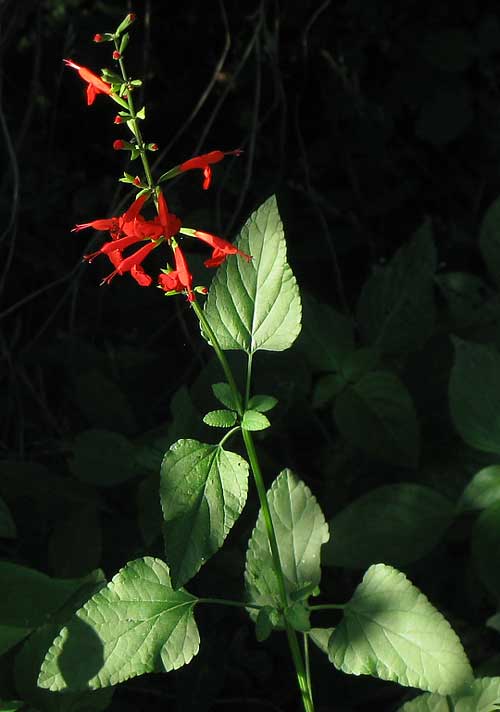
143	619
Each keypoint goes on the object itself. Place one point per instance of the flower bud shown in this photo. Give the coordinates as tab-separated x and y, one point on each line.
98	38
137	181
118	145
152	146
116	55
118	120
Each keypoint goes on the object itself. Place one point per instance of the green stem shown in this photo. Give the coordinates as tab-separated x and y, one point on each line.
249	380
220	355
327	606
228	434
135	126
266	513
227	602
307	662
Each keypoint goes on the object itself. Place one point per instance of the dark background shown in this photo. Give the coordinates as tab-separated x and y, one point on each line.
363	117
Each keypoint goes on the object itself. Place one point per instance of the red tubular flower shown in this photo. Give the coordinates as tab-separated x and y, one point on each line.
95	85
180	279
221	248
117	226
133	262
203	163
168	222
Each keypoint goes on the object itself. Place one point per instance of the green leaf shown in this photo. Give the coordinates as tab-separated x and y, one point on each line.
470	300
326	388
7	526
475	395
11	705
220	418
327	335
320	637
396	308
390	630
103	458
224	394
489	240
401	523
137	624
103	403
253	420
255	305
26	670
377	415
267	619
11	636
483	490
262	403
22	586
482	696
203	491
357	363
300	529
141	114
299	617
485	546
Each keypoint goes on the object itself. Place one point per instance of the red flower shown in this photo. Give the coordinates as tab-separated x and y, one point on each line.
203	163
221	248
118	226
168	222
132	264
180	279
95	85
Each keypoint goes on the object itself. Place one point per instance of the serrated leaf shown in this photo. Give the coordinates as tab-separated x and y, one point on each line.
255	305
103	458
220	418
264	625
253	420
390	630
489	240
300	529
483	490
482	696
401	523
137	624
203	491
320	637
485	545
262	403
224	394
396	308
475	395
27	667
377	415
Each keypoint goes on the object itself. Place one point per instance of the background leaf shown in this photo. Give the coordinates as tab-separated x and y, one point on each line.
300	529
377	415
137	624
485	547
326	336
396	307
475	395
256	305
103	458
401	523
483	490
203	491
390	630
